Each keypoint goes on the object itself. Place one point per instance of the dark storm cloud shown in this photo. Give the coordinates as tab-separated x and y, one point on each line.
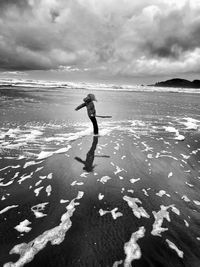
175	35
19	3
118	37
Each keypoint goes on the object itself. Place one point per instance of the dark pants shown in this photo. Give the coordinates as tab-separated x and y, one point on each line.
95	125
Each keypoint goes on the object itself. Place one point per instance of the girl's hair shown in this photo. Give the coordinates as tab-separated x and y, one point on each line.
90	97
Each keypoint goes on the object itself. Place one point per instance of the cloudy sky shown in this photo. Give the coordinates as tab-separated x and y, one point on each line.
104	40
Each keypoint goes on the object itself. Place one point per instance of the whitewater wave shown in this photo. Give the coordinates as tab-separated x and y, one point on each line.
90	86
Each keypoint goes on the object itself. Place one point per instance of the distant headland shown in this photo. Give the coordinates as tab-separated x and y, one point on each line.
181	83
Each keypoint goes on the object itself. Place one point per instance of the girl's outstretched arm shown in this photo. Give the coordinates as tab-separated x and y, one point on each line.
80	106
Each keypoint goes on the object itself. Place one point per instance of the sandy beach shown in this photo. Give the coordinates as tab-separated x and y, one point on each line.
128	197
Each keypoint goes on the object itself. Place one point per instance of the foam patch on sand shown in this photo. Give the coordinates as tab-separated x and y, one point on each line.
104	132
118	170
171	129
185	198
190	185
77	135
25	177
175	210
37	210
48	190
100	196
147	147
134	180
145	192
23	226
55	236
170	174
62	201
196	202
174	247
49	176
137	211
180	137
162	193
47	154
158	155
39	169
38	183
6	184
10	167
160	216
5	168
115	214
186	223
76	183
104	179
37	190
117	263
190	123
15	176
84	174
8	208
44	155
63	150
185	156
132	249
16	138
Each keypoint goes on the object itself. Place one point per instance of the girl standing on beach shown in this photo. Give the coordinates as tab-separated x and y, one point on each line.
88	103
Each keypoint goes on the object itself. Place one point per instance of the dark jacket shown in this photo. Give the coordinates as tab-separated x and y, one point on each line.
88	103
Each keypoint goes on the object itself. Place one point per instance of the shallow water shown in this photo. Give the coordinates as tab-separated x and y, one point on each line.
130	196
33	118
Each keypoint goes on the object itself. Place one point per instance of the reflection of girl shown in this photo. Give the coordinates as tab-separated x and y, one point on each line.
88	103
88	162
89	157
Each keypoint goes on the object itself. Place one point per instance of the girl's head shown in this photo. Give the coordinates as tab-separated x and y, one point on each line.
90	97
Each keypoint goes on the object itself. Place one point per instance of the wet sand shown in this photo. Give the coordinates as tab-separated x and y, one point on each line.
129	197
123	185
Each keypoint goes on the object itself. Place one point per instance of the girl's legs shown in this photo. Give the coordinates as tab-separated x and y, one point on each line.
95	125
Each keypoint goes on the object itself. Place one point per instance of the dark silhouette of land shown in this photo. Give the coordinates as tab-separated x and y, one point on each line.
177	82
